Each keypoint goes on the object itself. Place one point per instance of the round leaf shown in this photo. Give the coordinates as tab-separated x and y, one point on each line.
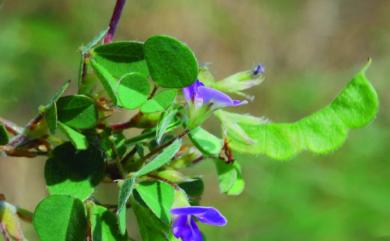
72	172
171	63
77	111
60	218
132	91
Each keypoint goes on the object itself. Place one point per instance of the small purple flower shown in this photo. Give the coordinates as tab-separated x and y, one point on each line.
199	94
184	225
258	70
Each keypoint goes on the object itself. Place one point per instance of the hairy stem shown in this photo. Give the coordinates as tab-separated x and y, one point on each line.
116	15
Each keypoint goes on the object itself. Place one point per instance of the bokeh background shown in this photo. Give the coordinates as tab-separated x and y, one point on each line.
311	49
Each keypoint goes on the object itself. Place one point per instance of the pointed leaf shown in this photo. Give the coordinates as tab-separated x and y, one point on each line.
160	102
125	190
160	160
60	218
320	132
72	172
106	79
78	140
206	142
132	91
166	121
171	63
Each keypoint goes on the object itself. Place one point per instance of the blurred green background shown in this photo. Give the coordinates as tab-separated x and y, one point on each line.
311	49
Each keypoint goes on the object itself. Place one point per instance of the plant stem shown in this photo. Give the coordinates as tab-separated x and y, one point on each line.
11	127
116	15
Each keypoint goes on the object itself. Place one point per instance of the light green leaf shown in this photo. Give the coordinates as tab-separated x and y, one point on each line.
165	122
72	172
4	138
132	91
161	159
77	111
10	221
108	81
125	190
121	58
78	140
229	177
160	102
172	64
159	197
320	132
104	224
60	218
99	37
150	227
206	142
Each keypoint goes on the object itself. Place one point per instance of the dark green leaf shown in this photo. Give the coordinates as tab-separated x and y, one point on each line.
121	58
172	64
160	160
160	102
229	177
194	189
104	224
51	118
159	197
78	140
77	111
60	218
73	172
321	132
206	142
132	91
4	138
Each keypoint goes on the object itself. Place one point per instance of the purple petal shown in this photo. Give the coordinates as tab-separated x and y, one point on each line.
190	92
185	228
259	69
217	97
208	215
179	225
196	234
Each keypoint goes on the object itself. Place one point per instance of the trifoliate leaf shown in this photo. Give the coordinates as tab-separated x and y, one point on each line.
104	224
161	159
206	142
160	102
320	132
4	138
229	177
72	172
78	140
60	218
159	197
172	64
77	111
121	58
132	91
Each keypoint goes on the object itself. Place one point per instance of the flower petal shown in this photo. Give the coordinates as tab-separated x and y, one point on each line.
179	226
208	215
196	234
218	98
190	92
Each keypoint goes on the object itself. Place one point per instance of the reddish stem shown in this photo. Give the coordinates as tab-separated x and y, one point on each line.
116	15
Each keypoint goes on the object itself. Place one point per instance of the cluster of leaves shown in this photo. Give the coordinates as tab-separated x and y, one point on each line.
144	80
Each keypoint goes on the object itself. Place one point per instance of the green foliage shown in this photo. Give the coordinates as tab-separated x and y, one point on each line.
72	172
194	188
160	102
171	63
159	197
126	188
4	138
206	142
60	217
132	91
229	177
78	140
321	132
77	111
104	224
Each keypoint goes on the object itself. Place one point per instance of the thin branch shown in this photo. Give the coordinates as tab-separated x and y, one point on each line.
116	15
11	127
174	185
129	124
22	138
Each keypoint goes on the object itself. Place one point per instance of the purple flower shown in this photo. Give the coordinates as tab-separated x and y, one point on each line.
258	70
199	94
184	225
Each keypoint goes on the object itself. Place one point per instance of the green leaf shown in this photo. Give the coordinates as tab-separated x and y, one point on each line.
194	189
150	227
229	177
108	81
99	37
104	224
321	132
172	64
60	218
10	221
166	121
72	172
78	140
121	58
159	197
206	142
77	111
4	138
132	91
160	102
126	188
160	160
